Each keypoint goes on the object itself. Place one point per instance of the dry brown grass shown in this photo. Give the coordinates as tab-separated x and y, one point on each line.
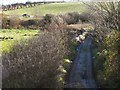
80	26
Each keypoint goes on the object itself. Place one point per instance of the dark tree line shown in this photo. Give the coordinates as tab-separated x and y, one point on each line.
25	5
18	6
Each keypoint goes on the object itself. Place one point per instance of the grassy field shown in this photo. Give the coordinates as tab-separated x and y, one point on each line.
54	8
40	10
17	36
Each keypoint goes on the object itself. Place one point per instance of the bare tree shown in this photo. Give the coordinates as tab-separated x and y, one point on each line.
105	17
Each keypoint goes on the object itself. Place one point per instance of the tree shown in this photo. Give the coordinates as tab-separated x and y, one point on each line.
106	18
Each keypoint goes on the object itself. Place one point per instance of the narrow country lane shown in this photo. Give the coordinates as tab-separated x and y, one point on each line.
81	72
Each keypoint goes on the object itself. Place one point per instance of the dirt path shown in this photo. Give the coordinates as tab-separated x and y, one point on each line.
81	73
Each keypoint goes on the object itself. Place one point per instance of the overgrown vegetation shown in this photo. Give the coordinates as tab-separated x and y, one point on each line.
15	22
68	18
105	16
40	62
43	61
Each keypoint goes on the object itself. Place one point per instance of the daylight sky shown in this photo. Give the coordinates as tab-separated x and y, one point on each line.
23	1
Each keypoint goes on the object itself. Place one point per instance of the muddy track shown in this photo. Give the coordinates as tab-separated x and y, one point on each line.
81	74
